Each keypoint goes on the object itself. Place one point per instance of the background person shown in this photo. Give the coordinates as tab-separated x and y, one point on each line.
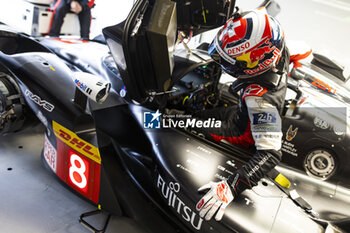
79	7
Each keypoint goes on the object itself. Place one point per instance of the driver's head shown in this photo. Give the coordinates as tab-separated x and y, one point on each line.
248	45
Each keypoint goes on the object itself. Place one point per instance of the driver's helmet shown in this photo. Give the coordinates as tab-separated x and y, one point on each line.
248	45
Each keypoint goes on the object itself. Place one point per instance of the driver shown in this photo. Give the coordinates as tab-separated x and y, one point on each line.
250	47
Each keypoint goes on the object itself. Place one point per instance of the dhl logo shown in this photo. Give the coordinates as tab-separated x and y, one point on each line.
78	144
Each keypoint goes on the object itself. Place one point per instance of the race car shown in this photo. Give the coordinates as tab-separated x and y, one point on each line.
106	140
315	116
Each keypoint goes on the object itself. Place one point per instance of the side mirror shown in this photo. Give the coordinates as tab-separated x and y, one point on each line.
329	65
92	86
272	7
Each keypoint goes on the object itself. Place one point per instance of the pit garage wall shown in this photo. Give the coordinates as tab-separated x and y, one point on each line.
33	19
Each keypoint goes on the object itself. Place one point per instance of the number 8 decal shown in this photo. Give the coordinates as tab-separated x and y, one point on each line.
76	171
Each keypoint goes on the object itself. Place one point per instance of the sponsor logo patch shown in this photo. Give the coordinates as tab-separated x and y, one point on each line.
78	144
264	118
324	86
82	86
50	154
254	90
122	92
170	192
320	123
291	133
239	49
42	103
265	64
222	191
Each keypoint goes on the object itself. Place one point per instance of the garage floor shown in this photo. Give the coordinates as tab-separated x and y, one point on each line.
32	199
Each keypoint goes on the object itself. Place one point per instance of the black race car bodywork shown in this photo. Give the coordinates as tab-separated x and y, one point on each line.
317	125
315	116
104	151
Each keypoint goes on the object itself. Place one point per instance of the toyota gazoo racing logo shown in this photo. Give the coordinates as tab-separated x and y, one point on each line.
169	192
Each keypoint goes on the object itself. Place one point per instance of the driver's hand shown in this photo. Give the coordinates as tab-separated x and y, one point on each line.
75	7
215	200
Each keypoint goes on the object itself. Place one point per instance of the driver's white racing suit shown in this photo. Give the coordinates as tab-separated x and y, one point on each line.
255	122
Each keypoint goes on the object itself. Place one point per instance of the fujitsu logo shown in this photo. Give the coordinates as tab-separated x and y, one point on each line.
43	103
169	192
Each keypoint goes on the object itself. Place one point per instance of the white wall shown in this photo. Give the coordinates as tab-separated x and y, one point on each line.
109	12
105	13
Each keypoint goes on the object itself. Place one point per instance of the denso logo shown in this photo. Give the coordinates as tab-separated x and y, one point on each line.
169	192
43	103
239	49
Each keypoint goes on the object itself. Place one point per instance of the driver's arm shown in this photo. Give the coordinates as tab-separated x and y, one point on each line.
265	123
266	128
